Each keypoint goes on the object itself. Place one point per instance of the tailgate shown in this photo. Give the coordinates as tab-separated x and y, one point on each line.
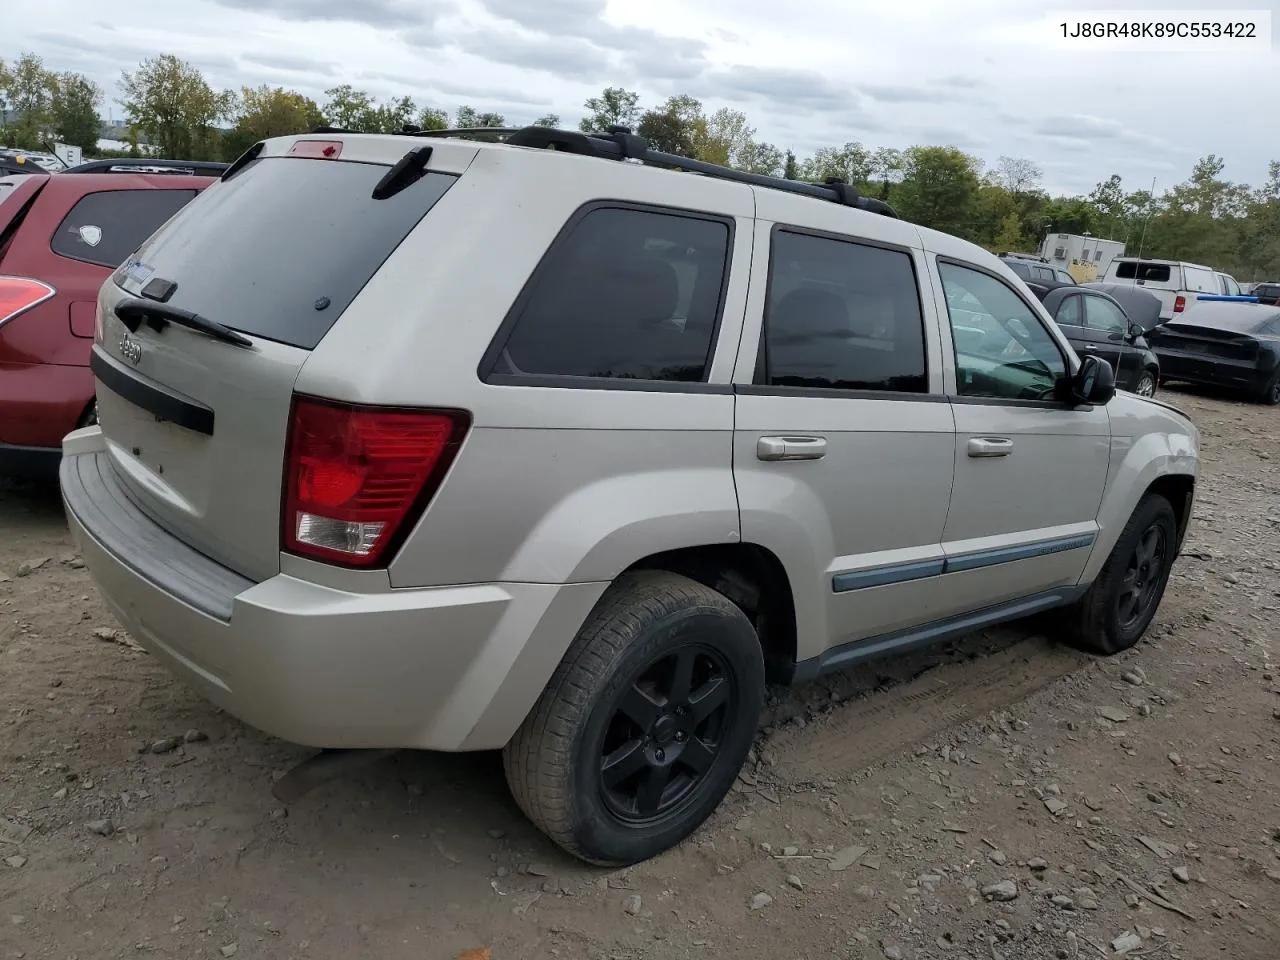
195	421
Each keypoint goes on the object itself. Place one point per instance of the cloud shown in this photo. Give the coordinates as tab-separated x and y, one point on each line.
784	87
953	137
1083	126
962	81
905	93
375	13
289	63
569	57
642	52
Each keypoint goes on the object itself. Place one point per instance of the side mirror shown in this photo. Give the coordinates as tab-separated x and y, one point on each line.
1135	330
1094	382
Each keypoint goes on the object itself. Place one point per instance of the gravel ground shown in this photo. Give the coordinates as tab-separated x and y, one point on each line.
997	798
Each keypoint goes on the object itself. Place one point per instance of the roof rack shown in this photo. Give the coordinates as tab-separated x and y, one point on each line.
208	168
620	143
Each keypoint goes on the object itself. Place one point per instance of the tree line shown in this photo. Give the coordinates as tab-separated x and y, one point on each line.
171	108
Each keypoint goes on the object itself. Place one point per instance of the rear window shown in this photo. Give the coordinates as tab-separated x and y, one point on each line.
282	248
104	228
1154	272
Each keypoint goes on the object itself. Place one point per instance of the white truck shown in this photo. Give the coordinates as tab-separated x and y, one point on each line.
1176	283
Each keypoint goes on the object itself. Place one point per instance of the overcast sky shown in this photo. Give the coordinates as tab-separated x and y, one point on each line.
976	74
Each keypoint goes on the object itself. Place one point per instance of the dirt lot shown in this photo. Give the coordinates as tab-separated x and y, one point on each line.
1138	796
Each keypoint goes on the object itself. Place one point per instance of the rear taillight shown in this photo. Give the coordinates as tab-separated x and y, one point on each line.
20	294
1179	304
358	478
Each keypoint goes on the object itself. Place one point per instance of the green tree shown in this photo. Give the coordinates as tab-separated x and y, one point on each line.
429	118
939	189
678	126
29	92
469	117
614	107
262	112
757	157
348	108
886	169
791	170
169	100
549	120
74	111
722	137
851	163
1010	235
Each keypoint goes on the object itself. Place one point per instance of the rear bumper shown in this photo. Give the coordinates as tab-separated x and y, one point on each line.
446	668
1211	372
29	463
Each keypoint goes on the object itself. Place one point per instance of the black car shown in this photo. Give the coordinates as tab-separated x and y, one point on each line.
1268	293
1035	269
1110	321
1226	344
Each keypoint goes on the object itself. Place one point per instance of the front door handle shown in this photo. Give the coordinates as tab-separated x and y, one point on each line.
1089	346
990	446
791	448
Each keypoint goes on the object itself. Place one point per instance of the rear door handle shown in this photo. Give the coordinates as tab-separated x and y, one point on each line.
990	446
791	448
1090	347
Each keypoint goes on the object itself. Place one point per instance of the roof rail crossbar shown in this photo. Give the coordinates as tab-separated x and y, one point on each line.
670	161
621	143
568	141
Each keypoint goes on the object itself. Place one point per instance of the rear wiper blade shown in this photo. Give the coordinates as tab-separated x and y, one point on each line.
133	313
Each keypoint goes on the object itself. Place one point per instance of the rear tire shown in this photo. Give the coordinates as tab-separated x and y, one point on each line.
1117	609
1270	395
644	725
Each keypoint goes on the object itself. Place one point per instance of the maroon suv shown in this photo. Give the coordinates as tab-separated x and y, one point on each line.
61	236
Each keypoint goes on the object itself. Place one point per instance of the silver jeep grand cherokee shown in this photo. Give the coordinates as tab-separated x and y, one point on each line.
432	443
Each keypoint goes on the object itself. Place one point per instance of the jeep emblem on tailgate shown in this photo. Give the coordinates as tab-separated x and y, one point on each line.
131	350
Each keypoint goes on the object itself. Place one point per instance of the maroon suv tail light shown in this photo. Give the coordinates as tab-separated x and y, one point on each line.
357	478
20	294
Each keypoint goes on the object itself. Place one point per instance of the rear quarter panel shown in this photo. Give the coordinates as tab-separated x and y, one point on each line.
554	484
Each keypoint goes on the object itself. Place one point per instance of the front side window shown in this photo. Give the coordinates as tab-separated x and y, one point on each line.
1002	349
106	227
625	294
1105	316
842	315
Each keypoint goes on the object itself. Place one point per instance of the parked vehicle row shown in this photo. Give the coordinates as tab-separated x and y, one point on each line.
469	446
60	238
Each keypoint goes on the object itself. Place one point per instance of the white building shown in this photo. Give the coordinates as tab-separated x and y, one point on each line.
1084	257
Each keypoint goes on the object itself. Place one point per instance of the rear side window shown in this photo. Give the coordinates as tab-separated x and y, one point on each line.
625	293
1202	281
1154	272
1042	273
842	315
1069	313
284	246
1021	269
104	228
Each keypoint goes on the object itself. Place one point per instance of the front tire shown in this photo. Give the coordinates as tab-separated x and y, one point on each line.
1270	395
1146	385
645	723
1117	609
